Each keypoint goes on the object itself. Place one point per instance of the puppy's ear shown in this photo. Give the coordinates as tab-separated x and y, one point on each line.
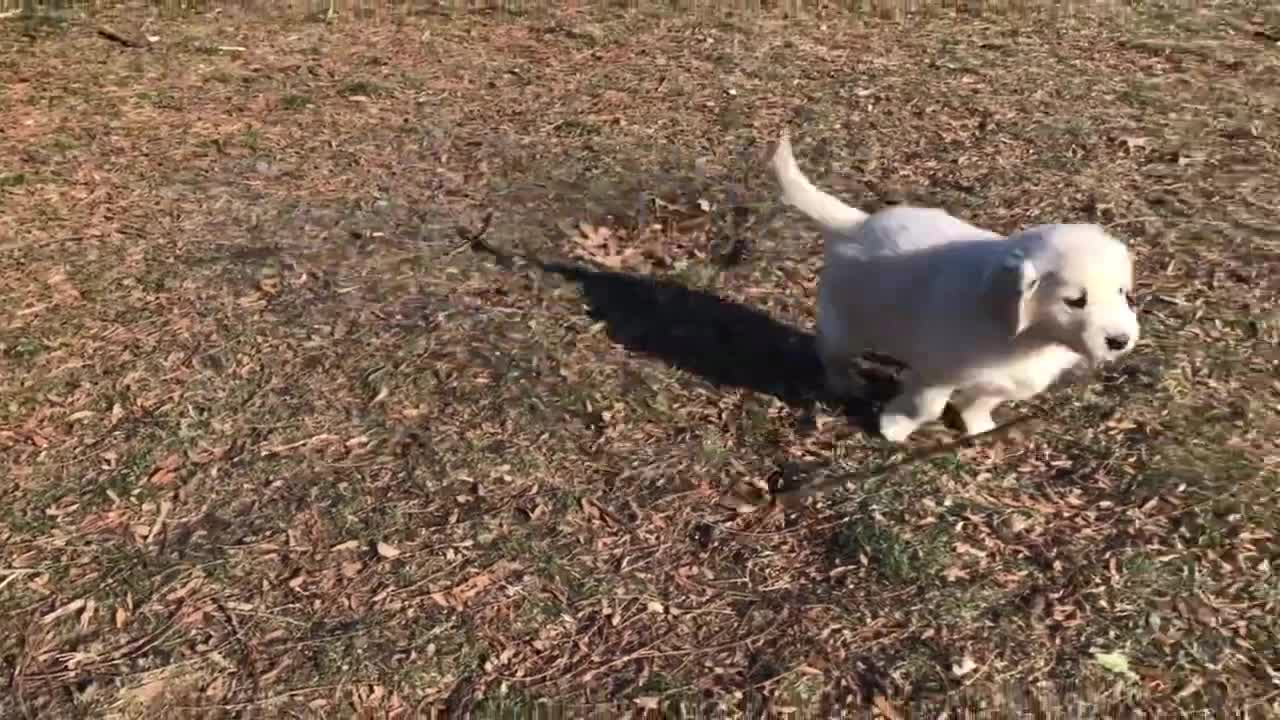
1010	288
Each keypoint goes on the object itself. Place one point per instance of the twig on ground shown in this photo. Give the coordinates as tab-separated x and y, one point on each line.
790	495
125	40
474	239
14	573
262	701
646	652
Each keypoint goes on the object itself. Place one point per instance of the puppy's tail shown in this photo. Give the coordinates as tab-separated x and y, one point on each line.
832	214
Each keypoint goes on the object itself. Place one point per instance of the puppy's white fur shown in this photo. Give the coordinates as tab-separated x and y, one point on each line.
978	319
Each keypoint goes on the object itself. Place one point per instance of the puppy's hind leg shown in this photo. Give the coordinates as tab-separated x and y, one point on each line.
975	411
916	405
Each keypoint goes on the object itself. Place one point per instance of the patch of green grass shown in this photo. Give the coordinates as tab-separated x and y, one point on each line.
504	702
25	348
1142	92
295	102
63	143
204	48
714	451
137	571
949	465
896	558
127	479
801	690
43	25
1139	568
365	88
576	128
696	276
342	503
157	282
565	501
28	517
251	139
161	99
443	650
657	684
966	604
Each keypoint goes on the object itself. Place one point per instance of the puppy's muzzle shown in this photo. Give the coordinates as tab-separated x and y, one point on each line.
1118	342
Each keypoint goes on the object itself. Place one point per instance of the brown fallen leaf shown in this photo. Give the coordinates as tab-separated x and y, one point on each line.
387	550
161	477
172	461
90	607
886	708
744	497
146	693
602	245
458	596
63	289
1132	142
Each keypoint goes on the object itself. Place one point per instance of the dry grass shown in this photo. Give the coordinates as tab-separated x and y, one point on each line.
277	440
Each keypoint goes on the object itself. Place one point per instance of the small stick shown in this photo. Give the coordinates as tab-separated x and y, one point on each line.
474	239
114	36
792	494
788	497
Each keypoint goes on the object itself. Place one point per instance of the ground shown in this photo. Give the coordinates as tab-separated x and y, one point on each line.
458	360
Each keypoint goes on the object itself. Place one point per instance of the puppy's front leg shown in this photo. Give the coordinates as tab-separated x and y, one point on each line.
836	375
836	364
975	411
916	405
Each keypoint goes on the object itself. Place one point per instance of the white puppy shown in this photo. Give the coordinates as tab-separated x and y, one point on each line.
978	319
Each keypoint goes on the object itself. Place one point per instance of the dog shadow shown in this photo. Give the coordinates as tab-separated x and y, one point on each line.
724	343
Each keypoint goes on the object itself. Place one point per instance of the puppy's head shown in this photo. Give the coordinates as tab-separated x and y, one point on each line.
1068	284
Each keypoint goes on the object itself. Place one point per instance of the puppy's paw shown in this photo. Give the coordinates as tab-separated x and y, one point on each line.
896	428
977	423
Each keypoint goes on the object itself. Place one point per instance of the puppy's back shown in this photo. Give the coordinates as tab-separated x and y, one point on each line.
907	284
905	229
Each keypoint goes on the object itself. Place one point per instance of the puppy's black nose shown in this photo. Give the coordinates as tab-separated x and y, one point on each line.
1117	342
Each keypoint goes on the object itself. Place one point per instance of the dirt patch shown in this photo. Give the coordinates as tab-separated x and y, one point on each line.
277	438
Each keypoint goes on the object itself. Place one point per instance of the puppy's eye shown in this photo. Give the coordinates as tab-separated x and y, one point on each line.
1078	303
